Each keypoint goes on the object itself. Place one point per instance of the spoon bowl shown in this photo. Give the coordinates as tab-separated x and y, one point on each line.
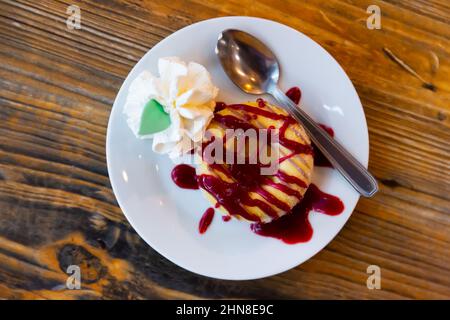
247	61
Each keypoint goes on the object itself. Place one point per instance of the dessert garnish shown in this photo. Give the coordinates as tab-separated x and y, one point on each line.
173	109
153	118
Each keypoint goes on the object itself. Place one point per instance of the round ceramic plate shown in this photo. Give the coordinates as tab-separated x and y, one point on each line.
167	217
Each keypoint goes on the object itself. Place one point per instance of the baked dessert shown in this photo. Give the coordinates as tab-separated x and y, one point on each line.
240	190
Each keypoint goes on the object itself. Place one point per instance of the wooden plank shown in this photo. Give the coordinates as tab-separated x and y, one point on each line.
56	91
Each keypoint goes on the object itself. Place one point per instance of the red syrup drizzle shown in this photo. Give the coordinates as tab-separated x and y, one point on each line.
206	220
219	106
320	160
294	94
294	227
184	176
291	228
232	195
247	178
235	123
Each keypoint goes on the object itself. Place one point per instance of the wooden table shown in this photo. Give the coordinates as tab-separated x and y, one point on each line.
57	208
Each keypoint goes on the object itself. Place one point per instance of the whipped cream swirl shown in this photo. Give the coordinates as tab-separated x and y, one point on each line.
187	94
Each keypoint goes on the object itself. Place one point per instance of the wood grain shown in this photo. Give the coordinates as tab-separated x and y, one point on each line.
56	204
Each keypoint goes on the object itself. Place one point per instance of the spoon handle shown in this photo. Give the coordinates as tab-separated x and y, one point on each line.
341	159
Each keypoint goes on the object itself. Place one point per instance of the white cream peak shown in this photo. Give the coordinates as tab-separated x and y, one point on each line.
186	92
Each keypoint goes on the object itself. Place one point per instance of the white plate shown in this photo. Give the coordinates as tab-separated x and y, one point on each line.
167	217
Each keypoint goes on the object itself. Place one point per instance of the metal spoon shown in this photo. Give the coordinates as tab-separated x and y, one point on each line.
253	67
